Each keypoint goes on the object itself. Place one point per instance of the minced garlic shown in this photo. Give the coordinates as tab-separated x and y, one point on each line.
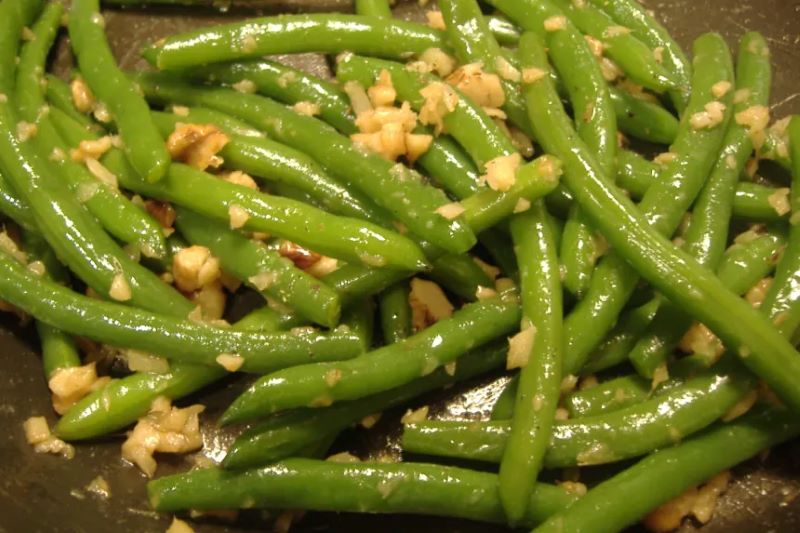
428	304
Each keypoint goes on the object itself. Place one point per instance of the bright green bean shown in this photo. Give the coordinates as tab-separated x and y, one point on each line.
744	264
641	119
382	369
625	498
262	269
671	271
359	487
540	379
395	313
143	146
59	95
505	32
287	34
579	253
374	8
12	207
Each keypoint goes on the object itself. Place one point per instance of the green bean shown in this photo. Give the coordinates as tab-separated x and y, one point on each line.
69	229
58	349
394	187
459	275
374	8
122	401
671	271
143	146
12	207
776	145
395	313
450	167
579	252
122	219
707	234
641	119
360	487
540	378
359	319
635	59
782	297
609	396
503	408
622	338
663	205
505	32
283	435
262	269
635	430
634	16
752	201
467	123
180	340
287	85
288	34
16	15
380	370
59	95
579	71
655	480
743	265
271	161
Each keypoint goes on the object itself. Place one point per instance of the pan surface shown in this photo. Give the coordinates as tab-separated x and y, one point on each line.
46	493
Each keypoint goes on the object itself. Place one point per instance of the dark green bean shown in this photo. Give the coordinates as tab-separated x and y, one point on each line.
641	119
59	95
579	252
382	369
395	313
626	497
744	264
12	207
359	487
287	34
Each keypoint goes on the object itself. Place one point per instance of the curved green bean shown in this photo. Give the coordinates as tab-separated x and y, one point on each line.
12	207
288	34
610	437
743	265
180	340
263	269
671	271
635	17
143	145
373	487
380	370
662	476
540	379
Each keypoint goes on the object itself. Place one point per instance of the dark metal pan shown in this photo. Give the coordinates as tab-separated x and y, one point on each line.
45	493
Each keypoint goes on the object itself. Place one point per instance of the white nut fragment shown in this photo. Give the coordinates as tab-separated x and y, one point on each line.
506	70
596	46
179	526
451	211
244	86
99	487
721	88
211	301
382	94
69	385
91	148
37	433
484	293
522	205
120	289
438	61
755	296
359	100
615	31
701	341
164	429
555	23
82	96
520	347
435	20
428	304
26	131
310	109
230	361
194	267
263	280
440	100
237	216
237	177
373	120
532	75
483	88
755	119
697	502
139	361
712	117
415	416
99	171
501	172
665	158
197	145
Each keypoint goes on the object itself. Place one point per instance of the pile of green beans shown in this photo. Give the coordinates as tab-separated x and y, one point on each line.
587	274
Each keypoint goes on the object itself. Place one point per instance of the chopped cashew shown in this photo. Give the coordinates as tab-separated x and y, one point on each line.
483	88
37	433
439	61
501	172
194	267
519	348
69	385
428	304
197	145
712	117
82	96
440	99
165	429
